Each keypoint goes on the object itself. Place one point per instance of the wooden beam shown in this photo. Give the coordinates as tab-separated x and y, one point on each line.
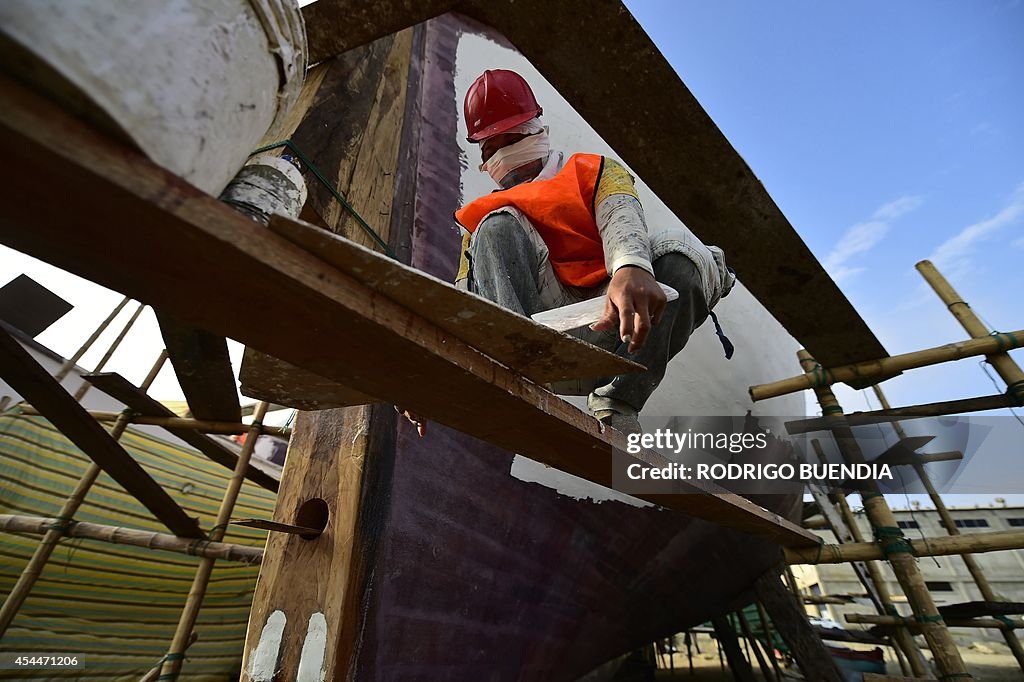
33	383
323	320
116	386
201	363
725	633
635	100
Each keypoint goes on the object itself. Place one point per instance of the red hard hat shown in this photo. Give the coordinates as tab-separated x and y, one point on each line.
497	101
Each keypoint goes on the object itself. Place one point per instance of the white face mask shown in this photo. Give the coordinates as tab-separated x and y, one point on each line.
515	155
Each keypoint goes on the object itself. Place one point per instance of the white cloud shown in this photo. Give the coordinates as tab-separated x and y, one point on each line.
953	256
863	237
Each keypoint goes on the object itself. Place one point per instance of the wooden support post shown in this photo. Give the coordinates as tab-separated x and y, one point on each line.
817	377
791	622
132	537
203	367
873	579
307	604
892	542
172	661
727	642
70	363
1005	367
30	574
987	593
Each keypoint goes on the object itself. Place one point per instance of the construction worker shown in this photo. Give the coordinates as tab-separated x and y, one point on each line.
562	230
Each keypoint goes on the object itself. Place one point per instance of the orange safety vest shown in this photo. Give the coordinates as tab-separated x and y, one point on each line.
561	209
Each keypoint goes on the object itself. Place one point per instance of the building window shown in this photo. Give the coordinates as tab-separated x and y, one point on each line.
971	523
938	586
1016	523
907	524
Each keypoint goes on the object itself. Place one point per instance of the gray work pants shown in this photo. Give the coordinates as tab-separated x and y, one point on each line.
509	265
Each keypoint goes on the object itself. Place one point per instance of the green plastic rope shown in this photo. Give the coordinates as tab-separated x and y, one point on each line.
332	189
901	544
937	618
1007	621
1015	392
63	523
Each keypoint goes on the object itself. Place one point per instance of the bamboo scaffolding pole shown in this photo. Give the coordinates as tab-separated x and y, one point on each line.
69	364
884	368
171	666
912	659
892	544
975	543
989	623
30	574
984	587
203	426
133	537
84	388
1005	367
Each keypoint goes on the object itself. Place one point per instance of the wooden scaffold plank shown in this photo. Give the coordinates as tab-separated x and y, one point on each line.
323	320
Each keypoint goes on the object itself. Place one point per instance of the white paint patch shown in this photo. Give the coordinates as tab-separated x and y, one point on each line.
263	663
528	470
314	650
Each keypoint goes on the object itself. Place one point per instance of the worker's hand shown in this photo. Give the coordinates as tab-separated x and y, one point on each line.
419	422
635	303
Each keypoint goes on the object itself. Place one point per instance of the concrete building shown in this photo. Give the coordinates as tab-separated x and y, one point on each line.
947	577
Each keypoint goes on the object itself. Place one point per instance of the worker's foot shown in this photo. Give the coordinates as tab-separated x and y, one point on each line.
624	423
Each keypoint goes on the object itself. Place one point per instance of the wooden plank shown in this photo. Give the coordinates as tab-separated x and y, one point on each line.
535	351
725	633
265	377
791	622
203	368
28	378
119	388
644	102
322	319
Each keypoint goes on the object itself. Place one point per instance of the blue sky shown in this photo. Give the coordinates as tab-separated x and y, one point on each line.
887	132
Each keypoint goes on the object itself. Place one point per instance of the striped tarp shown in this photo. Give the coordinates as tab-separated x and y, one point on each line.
114	605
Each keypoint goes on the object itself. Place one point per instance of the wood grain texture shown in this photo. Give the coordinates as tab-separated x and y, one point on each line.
635	100
30	380
116	386
203	368
323	320
533	350
301	577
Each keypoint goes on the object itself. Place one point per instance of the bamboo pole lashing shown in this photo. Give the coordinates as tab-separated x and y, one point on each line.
816	376
34	568
171	666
